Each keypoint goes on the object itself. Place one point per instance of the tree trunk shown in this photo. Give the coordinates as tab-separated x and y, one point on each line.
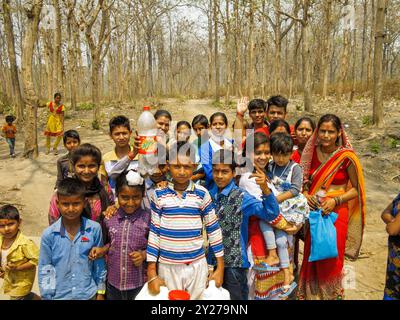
216	54
72	61
353	73
8	26
371	45
364	39
95	90
250	65
31	149
378	56
210	47
57	61
150	83
344	64
307	83
327	49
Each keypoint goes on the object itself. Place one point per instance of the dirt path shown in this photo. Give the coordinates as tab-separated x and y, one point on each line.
30	183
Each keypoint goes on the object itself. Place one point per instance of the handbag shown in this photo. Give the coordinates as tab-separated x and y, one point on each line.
323	236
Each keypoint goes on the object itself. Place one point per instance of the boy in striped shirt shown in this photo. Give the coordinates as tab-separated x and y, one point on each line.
175	240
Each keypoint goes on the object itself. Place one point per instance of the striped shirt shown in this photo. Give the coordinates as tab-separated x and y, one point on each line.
176	226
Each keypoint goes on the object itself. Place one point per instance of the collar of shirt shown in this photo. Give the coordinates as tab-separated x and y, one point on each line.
190	187
58	227
122	214
225	192
20	239
149	184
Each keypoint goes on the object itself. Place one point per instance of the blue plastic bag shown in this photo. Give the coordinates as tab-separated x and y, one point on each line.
323	236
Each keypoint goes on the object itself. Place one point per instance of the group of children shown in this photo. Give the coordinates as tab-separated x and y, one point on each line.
113	230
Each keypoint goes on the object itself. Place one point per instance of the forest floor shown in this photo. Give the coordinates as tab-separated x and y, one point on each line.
29	183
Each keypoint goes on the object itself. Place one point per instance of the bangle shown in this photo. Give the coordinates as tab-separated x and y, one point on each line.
103	292
152	279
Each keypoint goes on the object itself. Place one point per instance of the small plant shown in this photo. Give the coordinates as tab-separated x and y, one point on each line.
95	125
393	143
85	106
217	104
366	120
375	147
299	107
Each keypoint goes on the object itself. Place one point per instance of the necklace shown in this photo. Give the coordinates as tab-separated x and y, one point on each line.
284	170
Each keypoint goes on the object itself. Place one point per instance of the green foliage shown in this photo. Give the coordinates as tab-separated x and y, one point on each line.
7	109
375	147
95	125
85	106
393	143
217	104
299	107
366	120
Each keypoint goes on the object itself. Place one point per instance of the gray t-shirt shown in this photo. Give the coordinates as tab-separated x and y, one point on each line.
283	172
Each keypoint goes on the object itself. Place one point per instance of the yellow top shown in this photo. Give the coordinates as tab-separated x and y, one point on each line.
19	283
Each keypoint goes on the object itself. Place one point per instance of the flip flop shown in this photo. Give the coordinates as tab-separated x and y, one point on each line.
290	288
265	267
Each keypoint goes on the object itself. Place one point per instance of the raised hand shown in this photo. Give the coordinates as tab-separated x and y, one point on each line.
261	179
241	107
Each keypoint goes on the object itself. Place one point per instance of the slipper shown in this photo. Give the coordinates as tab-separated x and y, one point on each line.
289	289
265	267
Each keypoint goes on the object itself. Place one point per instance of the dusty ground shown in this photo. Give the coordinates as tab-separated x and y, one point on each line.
29	183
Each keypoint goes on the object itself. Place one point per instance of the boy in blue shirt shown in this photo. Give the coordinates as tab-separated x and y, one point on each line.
65	272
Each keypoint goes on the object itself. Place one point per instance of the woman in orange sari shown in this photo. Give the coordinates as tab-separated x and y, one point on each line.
330	164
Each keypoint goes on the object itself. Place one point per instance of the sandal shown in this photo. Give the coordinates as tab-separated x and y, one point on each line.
288	289
262	266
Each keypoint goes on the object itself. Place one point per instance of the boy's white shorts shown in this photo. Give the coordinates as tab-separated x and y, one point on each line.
192	277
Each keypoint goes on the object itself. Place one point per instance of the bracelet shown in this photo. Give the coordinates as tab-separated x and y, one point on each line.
103	292
152	279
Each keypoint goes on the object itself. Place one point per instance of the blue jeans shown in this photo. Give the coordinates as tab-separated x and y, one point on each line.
277	239
11	144
113	293
235	281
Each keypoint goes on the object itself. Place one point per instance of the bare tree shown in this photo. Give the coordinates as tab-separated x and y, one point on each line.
8	26
32	12
378	62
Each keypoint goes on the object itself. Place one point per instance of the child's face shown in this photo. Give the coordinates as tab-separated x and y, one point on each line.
257	116
199	129
71	144
130	199
163	123
57	99
218	126
70	207
281	159
86	169
9	228
223	175
159	173
183	133
261	155
276	113
181	170
121	136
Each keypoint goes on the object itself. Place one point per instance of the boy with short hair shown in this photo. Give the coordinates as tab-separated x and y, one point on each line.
262	114
175	243
71	141
123	157
65	272
19	256
234	207
9	130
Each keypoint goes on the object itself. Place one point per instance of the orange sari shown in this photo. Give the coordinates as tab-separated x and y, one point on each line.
322	280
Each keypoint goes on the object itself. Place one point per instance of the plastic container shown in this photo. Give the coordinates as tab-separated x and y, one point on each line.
178	295
147	131
214	293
